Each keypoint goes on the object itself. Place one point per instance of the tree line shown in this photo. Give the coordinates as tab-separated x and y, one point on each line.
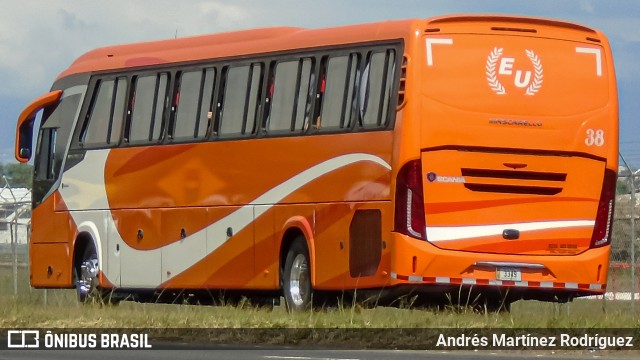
16	175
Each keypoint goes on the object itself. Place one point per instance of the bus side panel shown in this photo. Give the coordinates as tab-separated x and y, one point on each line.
50	256
266	249
51	214
228	254
351	235
230	263
50	265
139	269
368	247
332	255
178	224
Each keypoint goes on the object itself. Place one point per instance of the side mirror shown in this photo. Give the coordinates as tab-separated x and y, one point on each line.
24	141
24	131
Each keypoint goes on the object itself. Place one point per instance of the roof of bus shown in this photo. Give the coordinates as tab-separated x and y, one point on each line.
267	40
229	44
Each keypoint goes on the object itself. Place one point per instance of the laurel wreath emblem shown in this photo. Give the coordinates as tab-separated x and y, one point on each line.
496	85
492	78
533	88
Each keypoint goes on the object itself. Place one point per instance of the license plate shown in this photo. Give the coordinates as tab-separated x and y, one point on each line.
508	274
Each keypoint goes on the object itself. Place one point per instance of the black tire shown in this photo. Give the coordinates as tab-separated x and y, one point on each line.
298	292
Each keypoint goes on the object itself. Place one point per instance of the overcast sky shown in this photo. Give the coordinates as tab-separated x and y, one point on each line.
39	39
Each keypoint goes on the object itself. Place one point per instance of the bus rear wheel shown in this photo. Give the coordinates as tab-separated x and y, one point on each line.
297	277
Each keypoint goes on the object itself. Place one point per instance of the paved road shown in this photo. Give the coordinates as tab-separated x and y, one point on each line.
258	353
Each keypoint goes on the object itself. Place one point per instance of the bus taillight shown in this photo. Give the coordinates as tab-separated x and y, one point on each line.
604	217
409	212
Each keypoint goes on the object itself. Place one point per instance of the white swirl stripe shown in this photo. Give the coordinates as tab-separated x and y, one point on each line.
450	233
238	220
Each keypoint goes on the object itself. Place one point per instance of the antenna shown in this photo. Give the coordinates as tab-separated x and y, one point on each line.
175	36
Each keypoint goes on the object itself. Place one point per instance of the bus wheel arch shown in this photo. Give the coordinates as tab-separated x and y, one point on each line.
296	269
294	228
85	266
86	270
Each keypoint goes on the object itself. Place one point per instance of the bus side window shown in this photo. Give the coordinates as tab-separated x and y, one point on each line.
103	124
192	109
149	99
218	97
205	118
321	86
117	114
291	100
337	103
240	100
96	127
375	89
54	132
266	114
44	168
175	102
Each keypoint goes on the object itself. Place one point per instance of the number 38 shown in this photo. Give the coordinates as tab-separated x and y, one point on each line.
594	137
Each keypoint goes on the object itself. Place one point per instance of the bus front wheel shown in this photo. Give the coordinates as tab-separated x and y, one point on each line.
86	279
87	274
297	277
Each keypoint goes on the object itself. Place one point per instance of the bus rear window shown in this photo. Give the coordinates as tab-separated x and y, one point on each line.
517	75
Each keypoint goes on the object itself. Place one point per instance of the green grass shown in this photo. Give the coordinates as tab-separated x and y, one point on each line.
61	310
345	326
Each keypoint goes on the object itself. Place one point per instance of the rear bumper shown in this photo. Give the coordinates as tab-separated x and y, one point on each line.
415	262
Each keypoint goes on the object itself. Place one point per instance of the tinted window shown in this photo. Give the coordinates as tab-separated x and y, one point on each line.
148	104
118	111
105	118
206	114
45	163
193	99
338	95
375	88
52	138
188	99
240	100
100	116
290	102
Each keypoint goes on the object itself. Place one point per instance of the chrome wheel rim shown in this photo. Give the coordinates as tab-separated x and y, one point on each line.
299	280
88	276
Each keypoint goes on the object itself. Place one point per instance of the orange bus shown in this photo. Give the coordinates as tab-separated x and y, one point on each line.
431	158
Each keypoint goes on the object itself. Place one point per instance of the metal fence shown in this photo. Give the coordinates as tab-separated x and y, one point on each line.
14	259
15	227
624	270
